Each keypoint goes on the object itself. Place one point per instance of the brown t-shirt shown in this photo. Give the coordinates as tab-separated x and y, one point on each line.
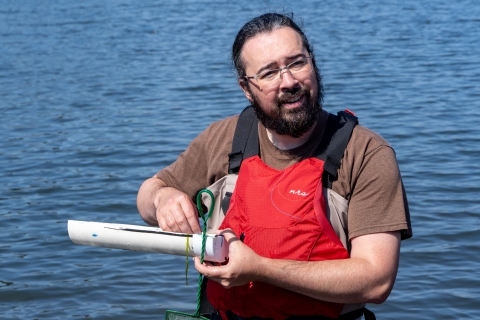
369	177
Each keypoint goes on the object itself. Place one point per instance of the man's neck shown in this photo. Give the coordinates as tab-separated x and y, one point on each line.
286	142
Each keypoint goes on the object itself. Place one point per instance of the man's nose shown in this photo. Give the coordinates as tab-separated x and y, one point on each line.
287	80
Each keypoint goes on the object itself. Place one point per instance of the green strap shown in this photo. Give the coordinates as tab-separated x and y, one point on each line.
204	238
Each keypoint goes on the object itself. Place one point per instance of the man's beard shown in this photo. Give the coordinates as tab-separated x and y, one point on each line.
294	122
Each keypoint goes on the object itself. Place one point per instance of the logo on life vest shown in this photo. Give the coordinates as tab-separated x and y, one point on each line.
299	193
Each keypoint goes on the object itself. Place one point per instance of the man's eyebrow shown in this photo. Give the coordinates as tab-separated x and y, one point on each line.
289	58
266	67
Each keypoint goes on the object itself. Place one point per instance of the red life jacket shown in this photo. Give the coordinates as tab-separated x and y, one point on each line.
280	214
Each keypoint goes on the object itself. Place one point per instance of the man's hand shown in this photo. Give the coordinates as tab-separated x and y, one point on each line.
176	212
167	207
241	266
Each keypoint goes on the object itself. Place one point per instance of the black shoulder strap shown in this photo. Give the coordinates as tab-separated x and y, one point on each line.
335	139
245	140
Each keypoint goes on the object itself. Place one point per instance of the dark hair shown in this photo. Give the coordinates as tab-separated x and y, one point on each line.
264	24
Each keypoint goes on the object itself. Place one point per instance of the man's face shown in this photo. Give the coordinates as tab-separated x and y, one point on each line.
290	107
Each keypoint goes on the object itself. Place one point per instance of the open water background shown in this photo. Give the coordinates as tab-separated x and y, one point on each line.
96	96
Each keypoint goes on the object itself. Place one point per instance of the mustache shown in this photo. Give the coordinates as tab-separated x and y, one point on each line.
290	94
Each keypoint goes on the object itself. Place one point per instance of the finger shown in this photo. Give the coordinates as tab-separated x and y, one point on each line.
166	219
185	215
186	218
213	273
191	216
206	268
162	223
180	219
173	216
228	234
201	267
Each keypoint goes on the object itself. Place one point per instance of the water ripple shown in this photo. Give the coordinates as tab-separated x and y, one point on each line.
98	96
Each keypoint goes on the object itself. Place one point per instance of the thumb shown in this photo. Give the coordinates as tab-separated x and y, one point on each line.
228	234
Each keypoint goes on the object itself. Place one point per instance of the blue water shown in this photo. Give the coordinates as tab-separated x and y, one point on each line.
96	96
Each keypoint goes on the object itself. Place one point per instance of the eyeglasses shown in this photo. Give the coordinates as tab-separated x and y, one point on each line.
272	78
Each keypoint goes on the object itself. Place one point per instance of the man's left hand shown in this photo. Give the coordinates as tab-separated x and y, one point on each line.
241	265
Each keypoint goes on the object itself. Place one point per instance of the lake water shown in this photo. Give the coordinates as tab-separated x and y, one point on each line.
96	96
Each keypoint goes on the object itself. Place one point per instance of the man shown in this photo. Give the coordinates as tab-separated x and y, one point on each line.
316	276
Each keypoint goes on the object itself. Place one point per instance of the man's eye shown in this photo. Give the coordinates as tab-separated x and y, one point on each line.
297	65
268	75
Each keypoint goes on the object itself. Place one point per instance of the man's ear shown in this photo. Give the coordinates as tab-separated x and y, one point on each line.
244	85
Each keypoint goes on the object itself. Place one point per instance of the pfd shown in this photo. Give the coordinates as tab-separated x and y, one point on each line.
295	227
280	214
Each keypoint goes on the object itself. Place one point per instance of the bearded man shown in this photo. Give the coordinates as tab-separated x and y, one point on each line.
286	260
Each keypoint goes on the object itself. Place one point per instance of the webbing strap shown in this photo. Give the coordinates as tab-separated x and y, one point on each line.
335	139
334	142
245	140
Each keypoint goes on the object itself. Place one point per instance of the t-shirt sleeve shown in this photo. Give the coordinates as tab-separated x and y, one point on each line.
204	161
377	201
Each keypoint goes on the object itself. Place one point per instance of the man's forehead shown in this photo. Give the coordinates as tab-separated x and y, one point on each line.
271	47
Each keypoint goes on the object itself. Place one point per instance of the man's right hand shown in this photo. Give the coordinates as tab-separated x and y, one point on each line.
167	207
